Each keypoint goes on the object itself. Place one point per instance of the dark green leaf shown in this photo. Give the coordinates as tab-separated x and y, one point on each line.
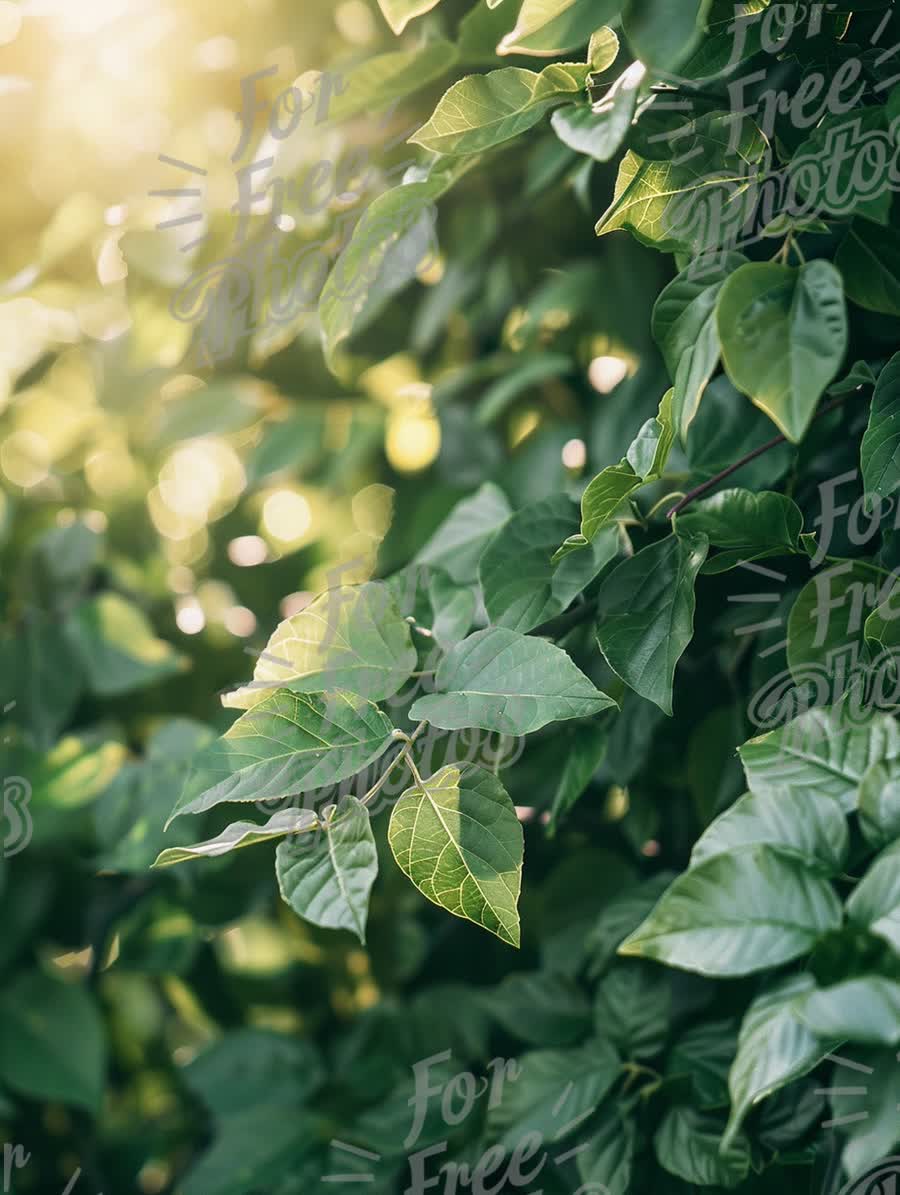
689	1145
646	615
685	328
880	452
542	1009
555	1088
52	1043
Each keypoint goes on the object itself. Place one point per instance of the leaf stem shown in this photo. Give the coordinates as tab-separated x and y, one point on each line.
403	756
700	490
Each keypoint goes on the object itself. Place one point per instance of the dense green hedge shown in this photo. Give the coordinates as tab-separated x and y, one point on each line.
584	770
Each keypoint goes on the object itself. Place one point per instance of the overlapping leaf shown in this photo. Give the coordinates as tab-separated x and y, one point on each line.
351	638
288	743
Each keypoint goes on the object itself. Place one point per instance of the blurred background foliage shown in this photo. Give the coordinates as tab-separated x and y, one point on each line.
161	511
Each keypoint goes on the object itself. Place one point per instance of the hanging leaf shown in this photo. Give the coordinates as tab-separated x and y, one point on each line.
784	336
457	837
327	877
646	613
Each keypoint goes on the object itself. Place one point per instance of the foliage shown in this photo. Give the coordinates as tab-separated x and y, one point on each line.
584	772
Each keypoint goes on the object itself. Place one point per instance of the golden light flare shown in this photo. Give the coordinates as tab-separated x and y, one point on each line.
287	517
606	372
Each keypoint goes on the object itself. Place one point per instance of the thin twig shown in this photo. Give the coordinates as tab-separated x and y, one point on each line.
700	490
403	756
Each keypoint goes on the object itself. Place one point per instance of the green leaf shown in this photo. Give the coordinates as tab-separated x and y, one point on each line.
881	630
453	608
650	449
252	1067
52	1041
528	373
603	48
583	751
394	237
822	751
746	526
632	1008
457	837
875	903
352	638
605	495
827	626
458	543
865	1010
689	1145
574	896
705	1054
727	429
880	451
605	1164
790	1113
869	1116
784	335
664	33
522	588
542	1009
554	1089
843	195
242	834
382	81
685	328
398	13
117	646
813	826
327	877
500	680
869	261
547	28
130	816
621	916
289	743
658	202
61	563
49	676
480	30
647	615
482	111
645	460
599	130
774	1048
258	1147
738	913
879	803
